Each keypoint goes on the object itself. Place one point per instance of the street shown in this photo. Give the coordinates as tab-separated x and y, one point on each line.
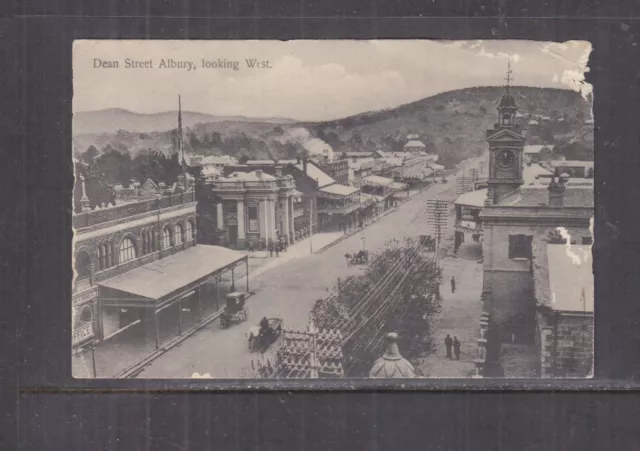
289	291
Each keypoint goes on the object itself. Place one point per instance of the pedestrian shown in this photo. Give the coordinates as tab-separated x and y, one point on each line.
271	250
448	342
251	248
277	246
456	347
453	284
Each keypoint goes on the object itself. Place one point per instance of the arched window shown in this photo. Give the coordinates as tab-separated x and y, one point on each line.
127	250
189	231
152	236
166	238
104	256
86	315
178	234
83	265
506	119
145	245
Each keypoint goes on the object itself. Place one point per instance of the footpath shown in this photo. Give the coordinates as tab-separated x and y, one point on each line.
460	315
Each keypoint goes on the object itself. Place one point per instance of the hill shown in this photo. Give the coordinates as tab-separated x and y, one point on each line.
113	119
451	124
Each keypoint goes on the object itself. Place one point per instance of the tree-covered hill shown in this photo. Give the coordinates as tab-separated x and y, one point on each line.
451	124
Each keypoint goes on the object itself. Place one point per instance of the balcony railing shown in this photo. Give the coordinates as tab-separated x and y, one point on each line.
86	219
339	209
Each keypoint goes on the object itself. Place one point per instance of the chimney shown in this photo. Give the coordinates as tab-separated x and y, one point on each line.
556	192
259	173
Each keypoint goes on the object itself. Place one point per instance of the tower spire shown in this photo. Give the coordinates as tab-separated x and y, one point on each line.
508	77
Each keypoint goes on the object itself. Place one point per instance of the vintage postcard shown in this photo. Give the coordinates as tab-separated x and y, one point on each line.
332	209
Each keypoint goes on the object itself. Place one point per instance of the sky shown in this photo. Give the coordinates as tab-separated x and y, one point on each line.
312	80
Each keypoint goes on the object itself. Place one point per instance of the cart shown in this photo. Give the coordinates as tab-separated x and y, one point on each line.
235	311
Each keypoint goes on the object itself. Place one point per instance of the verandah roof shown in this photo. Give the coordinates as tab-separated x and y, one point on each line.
159	280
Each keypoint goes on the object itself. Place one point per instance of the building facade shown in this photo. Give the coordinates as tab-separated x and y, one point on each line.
254	209
515	219
115	240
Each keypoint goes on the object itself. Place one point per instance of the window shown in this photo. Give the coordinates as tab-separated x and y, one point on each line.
127	250
506	119
166	238
145	244
587	240
178	234
189	231
520	246
104	256
83	264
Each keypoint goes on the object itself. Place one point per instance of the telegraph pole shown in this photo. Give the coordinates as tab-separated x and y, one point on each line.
311	225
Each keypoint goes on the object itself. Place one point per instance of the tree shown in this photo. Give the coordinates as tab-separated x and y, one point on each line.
243	159
399	292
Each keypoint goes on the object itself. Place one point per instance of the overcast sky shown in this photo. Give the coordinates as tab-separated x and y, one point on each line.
312	80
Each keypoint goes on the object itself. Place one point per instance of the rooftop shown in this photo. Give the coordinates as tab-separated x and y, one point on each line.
537	148
317	174
415	143
158	280
473	198
578	163
563	277
339	190
538	196
377	180
252	176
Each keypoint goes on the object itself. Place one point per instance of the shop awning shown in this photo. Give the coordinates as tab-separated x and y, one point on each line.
398	186
370	198
339	190
376	180
165	279
472	198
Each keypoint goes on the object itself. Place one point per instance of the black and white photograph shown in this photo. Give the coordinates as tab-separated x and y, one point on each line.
391	209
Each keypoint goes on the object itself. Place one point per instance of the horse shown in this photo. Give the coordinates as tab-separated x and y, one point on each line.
252	334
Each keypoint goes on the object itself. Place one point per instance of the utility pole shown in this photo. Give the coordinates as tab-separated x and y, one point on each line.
311	225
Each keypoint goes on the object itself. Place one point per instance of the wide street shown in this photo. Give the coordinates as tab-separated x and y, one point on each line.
289	291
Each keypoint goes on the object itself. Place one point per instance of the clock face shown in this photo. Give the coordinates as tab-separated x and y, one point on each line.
505	159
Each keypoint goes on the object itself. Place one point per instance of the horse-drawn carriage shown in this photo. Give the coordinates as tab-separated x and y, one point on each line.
235	311
359	258
262	336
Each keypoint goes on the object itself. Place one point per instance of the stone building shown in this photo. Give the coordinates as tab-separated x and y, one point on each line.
563	288
254	209
136	260
515	219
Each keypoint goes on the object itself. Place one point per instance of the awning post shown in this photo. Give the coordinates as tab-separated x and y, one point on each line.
217	293
157	326
246	264
233	279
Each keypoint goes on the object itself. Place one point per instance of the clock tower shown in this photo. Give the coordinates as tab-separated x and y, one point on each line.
506	149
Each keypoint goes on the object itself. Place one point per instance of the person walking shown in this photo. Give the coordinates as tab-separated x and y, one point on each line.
456	347
277	249
271	250
453	284
448	342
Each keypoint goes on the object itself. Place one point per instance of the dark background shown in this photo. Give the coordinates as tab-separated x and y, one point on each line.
36	130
